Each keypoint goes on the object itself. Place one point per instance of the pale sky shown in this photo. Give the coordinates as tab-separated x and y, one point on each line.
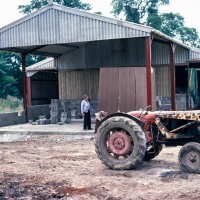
189	9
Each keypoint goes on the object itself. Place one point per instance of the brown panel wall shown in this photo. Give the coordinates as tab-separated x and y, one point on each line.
162	81
74	84
129	83
108	89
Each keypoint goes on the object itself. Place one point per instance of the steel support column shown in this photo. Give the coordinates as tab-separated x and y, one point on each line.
29	96
24	83
172	74
148	42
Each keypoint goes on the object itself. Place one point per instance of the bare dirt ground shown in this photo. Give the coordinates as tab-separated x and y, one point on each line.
57	169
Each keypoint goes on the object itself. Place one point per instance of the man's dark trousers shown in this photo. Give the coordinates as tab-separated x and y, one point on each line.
87	120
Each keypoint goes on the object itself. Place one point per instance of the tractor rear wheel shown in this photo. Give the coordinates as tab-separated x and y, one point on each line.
189	157
120	143
152	152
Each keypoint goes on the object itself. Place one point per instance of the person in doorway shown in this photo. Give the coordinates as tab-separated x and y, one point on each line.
85	110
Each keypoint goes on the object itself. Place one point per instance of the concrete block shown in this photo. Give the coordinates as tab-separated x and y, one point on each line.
7	119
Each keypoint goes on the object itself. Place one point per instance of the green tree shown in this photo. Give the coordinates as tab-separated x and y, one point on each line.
155	21
137	11
37	4
10	64
147	12
189	36
8	82
171	23
98	12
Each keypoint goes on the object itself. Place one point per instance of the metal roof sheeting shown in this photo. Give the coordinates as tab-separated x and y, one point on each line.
59	24
46	64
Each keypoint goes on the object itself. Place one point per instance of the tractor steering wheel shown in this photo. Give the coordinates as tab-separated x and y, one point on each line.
145	109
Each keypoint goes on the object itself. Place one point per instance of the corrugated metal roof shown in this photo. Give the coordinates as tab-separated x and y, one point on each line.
50	25
46	64
58	29
58	24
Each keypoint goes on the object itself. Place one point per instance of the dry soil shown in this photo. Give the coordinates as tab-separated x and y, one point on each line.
52	168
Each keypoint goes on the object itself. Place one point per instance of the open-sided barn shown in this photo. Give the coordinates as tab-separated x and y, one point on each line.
120	64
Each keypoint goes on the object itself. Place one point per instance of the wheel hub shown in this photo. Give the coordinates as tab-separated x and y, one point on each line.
120	143
193	158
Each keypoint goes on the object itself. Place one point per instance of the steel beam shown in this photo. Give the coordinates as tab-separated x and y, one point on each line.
24	84
148	42
34	49
172	48
24	51
67	46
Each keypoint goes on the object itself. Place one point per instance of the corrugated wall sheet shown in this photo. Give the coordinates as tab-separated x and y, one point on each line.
108	53
160	53
118	53
74	84
161	56
181	55
195	54
58	24
162	81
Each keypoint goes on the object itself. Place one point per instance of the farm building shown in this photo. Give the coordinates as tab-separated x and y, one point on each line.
119	64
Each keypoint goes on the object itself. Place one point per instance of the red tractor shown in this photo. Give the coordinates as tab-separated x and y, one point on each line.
123	140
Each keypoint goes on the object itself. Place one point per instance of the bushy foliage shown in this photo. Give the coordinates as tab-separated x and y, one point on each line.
147	12
10	104
37	4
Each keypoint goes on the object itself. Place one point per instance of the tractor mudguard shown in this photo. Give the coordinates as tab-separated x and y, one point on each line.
118	114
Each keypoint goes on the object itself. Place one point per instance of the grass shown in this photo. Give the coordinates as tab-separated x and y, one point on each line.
11	104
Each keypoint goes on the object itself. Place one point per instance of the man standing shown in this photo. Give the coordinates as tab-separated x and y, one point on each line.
85	110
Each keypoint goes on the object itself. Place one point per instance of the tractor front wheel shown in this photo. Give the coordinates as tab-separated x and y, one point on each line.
120	143
189	157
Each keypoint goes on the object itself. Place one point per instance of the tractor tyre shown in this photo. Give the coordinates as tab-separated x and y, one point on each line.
189	157
120	143
152	152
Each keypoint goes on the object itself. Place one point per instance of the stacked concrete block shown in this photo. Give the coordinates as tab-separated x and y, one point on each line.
164	103
55	111
66	111
181	102
76	108
65	117
94	106
41	121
